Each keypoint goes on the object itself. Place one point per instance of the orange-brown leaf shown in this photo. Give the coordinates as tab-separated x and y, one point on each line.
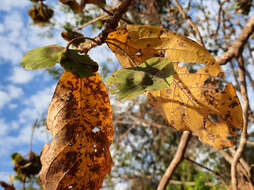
80	120
196	102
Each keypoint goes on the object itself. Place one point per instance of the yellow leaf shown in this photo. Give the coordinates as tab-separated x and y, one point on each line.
134	43
196	102
80	120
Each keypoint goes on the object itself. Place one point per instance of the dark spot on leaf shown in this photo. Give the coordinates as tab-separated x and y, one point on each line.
233	104
181	44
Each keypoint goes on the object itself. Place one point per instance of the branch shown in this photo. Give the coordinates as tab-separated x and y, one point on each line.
32	134
110	25
175	182
185	16
208	169
243	139
237	47
6	186
176	160
102	17
240	166
250	142
111	14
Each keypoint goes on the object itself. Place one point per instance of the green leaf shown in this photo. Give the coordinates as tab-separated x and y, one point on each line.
46	56
17	158
155	74
81	65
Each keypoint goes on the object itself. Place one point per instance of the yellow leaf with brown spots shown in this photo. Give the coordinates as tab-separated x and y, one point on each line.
196	102
80	120
134	44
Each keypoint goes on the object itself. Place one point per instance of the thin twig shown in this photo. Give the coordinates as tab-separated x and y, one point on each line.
176	160
124	134
110	25
23	187
250	142
124	52
208	169
78	38
6	186
188	18
32	134
146	123
238	44
219	17
96	19
91	22
250	78
240	167
242	162
235	75
192	183
139	121
243	139
111	14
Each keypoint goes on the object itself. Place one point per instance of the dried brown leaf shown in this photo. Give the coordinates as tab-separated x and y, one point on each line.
80	120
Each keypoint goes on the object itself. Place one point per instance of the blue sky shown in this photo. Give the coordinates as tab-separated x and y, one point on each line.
25	95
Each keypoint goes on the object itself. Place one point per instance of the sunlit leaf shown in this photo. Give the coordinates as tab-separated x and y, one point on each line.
80	121
198	102
193	101
154	74
81	65
143	42
46	56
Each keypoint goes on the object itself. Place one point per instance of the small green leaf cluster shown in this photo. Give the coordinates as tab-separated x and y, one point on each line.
71	60
26	167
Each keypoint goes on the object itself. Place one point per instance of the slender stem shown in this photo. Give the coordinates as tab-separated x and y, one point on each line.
250	142
32	134
185	16
124	52
96	19
111	14
23	183
243	139
176	160
77	38
110	25
208	169
238	44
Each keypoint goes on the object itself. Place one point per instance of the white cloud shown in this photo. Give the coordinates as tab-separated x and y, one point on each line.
36	105
7	5
12	106
9	93
10	52
14	92
1	27
14	125
101	53
3	127
21	76
41	99
4	98
4	176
